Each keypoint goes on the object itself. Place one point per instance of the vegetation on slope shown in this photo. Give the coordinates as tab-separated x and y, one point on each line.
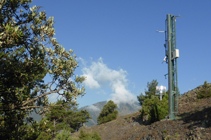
108	113
152	106
65	135
205	91
66	117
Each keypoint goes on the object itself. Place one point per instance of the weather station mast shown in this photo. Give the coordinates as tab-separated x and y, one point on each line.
171	55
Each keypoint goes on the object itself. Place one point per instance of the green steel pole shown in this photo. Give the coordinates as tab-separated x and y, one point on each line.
176	64
170	68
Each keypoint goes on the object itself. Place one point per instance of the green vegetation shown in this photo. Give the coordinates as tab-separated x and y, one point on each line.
65	135
204	91
176	134
86	136
168	137
152	105
127	118
29	52
150	93
108	113
66	117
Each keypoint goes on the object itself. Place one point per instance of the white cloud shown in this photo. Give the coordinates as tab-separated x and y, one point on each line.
91	82
99	75
93	108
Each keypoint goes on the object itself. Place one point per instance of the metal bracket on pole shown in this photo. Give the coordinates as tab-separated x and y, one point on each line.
165	75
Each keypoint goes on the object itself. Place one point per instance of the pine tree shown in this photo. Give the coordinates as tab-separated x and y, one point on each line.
204	91
65	117
108	113
152	105
150	93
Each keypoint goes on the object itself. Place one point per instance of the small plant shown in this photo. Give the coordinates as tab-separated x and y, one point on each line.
164	131
176	134
205	91
87	136
127	119
168	137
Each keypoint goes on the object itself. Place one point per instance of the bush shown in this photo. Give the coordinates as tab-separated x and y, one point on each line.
108	113
159	110
155	109
86	136
152	105
204	91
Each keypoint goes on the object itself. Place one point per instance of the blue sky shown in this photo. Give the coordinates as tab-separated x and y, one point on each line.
119	50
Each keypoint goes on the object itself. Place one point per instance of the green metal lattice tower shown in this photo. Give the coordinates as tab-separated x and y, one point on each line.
172	53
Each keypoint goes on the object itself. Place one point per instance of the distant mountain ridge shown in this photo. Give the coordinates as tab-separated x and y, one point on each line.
95	109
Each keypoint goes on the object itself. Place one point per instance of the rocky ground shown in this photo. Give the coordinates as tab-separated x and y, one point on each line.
193	122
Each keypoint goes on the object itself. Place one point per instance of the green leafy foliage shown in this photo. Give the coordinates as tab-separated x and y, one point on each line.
152	105
204	91
108	113
28	52
87	136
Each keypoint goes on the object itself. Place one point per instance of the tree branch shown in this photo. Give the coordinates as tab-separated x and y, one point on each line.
40	106
29	101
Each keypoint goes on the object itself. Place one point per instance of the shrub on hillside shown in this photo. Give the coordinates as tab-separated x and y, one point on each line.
204	91
159	110
86	136
152	105
108	113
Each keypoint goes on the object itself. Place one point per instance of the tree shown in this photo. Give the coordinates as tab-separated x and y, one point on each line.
150	93
108	113
204	91
152	105
159	109
65	117
28	52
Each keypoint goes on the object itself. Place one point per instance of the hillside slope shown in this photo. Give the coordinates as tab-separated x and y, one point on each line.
193	122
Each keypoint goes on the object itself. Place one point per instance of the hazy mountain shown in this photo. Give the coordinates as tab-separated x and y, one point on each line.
123	109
